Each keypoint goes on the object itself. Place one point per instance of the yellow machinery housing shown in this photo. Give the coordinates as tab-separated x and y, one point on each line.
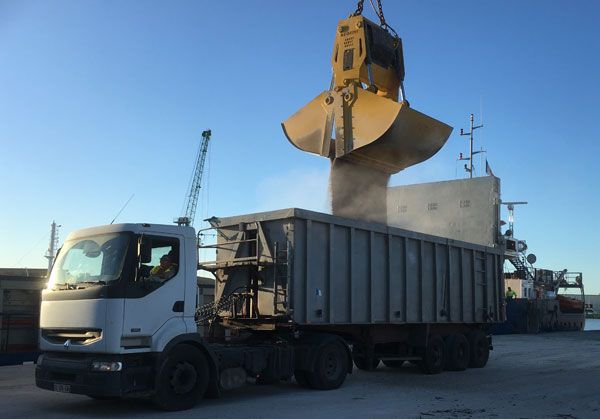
373	127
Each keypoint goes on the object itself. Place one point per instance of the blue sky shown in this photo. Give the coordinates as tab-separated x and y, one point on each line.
103	99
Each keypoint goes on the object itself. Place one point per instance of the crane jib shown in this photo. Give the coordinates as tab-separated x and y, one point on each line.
191	201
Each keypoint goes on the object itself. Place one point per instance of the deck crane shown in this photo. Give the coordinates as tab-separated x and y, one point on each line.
191	202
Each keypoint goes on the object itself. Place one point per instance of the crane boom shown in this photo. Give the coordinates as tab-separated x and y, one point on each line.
196	184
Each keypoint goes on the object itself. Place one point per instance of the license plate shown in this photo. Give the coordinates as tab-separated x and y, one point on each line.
62	388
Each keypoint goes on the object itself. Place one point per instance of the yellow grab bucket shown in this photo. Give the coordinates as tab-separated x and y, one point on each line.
370	130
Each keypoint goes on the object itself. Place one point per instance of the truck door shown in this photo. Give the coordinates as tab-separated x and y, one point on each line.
155	297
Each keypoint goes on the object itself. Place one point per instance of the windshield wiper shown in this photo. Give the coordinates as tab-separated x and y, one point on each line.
66	285
88	284
77	285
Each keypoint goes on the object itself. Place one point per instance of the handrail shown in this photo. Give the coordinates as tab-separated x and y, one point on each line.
209	246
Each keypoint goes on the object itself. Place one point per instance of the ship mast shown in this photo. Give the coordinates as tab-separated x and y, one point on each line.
53	246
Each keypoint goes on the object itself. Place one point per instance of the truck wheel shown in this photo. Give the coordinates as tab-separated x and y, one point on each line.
360	360
433	356
479	349
393	363
330	368
182	378
457	352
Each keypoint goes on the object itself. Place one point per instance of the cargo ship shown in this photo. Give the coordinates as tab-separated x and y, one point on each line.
545	301
469	210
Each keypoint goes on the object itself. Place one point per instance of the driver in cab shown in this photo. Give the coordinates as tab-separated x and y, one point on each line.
165	270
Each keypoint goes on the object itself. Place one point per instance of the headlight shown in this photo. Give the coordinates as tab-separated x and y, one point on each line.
106	366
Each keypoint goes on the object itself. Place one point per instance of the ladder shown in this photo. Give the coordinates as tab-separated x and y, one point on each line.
523	271
281	277
481	279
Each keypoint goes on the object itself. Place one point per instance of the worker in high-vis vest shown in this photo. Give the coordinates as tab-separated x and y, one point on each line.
510	294
166	269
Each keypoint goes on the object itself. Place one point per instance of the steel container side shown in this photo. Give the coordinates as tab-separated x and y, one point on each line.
344	271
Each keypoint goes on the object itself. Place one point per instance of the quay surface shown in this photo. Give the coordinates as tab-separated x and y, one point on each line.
528	376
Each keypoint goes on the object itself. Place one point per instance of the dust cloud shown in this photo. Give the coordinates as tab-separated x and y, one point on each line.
358	192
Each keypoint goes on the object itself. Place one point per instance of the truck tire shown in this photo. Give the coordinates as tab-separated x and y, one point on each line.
479	347
393	363
434	356
330	367
457	352
182	378
360	360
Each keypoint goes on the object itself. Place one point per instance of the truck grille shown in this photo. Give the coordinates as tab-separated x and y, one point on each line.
75	336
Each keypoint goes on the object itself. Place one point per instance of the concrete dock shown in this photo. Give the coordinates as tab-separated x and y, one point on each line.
528	376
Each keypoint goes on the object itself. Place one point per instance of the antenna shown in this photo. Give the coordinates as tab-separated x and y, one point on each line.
511	214
469	168
53	246
122	208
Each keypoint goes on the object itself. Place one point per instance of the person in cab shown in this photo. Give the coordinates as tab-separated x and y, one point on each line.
166	269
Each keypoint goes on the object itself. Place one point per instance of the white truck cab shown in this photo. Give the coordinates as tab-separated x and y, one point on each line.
102	297
117	297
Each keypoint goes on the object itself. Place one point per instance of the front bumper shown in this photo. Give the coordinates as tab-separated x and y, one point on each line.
72	373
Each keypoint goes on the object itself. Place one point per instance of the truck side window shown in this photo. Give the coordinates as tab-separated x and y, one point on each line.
161	260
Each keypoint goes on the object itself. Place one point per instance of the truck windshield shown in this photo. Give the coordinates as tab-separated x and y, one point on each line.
89	261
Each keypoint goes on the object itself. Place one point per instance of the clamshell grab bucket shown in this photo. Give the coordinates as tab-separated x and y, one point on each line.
371	130
364	118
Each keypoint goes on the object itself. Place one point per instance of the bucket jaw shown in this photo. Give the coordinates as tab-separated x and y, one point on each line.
309	129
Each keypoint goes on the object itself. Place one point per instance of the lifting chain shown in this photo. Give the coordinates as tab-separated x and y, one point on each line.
378	11
359	8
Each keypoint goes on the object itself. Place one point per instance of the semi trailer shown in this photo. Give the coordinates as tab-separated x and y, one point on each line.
298	294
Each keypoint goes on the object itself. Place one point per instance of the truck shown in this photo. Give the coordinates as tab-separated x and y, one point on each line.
298	294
